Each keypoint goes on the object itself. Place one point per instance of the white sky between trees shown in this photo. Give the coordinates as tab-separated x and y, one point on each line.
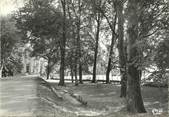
9	6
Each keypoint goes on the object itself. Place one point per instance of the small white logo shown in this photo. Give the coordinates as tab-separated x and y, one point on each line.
157	111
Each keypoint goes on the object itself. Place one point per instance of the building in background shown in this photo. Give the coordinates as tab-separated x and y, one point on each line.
32	65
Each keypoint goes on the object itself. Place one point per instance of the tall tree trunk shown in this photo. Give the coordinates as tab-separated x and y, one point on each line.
1	68
109	67
96	49
47	74
71	73
79	53
108	70
122	61
76	64
134	97
77	56
76	80
80	74
62	45
109	61
79	43
48	69
72	66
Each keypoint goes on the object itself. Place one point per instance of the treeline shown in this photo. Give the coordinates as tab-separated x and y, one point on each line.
10	54
69	32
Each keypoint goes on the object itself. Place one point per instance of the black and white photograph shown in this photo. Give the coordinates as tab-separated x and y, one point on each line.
84	58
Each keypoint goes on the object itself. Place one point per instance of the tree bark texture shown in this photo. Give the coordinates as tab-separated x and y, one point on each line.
75	71
109	66
96	49
134	97
71	73
109	61
80	74
79	42
62	45
48	69
122	58
1	66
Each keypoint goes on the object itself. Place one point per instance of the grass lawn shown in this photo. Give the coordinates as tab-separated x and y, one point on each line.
104	100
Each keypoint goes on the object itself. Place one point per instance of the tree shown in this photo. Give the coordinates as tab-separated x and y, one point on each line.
134	98
121	48
10	37
98	19
153	29
147	20
41	22
63	45
109	13
162	55
47	49
13	64
79	40
75	8
74	37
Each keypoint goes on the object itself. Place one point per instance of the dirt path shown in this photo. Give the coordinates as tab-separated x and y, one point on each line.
18	96
27	96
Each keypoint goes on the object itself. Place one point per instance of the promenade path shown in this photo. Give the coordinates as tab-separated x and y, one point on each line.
21	96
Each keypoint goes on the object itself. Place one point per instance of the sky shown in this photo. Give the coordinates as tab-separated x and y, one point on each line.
8	6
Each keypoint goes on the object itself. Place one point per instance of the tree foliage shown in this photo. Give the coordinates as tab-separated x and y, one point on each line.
10	43
41	21
162	55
